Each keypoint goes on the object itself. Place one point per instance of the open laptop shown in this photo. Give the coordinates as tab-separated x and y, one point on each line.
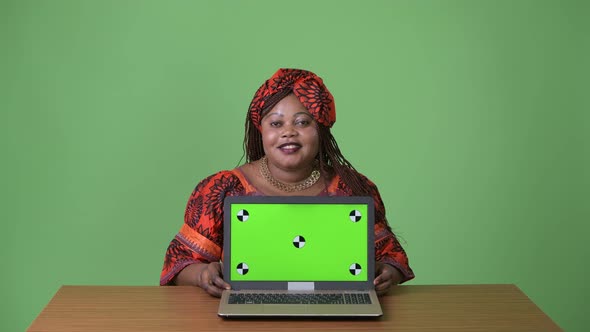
299	256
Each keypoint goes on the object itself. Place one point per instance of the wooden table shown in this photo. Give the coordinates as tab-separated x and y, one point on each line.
406	308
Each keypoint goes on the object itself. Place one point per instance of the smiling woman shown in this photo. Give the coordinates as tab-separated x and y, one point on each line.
289	151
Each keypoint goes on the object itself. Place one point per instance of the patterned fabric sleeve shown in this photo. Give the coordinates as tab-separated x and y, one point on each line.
387	247
201	236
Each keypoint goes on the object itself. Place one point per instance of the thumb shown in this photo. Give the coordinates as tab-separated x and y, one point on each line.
377	280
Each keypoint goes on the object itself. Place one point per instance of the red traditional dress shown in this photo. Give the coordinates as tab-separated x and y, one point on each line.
200	238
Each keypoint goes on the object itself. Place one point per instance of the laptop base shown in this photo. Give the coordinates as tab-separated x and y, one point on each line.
298	310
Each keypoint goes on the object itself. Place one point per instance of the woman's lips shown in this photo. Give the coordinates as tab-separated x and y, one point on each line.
290	147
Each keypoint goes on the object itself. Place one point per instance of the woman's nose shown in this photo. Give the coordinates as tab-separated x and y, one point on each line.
288	131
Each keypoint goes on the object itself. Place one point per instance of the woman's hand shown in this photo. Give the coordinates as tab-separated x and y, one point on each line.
210	279
208	276
386	277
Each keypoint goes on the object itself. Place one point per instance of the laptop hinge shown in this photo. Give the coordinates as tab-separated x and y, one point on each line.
301	286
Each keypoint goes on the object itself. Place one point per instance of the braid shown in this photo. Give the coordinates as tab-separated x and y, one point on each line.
253	143
332	160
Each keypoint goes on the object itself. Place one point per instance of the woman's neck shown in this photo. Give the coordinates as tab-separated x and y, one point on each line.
301	181
288	176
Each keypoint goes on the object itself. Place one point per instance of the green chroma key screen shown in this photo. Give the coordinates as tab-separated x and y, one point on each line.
298	242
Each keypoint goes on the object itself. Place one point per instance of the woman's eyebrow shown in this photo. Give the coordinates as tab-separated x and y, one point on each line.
274	113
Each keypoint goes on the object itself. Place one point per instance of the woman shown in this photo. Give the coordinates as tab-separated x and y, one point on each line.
289	151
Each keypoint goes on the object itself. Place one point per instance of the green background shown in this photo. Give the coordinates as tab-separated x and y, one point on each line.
265	242
471	116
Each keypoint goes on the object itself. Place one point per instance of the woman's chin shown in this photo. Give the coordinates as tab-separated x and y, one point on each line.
295	162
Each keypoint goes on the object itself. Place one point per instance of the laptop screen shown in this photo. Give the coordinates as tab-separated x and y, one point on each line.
319	239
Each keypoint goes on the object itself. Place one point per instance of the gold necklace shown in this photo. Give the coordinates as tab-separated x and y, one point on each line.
310	181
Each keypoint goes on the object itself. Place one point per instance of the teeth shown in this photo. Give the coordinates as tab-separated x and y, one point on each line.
290	146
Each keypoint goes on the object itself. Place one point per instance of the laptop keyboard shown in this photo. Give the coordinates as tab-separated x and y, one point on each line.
261	298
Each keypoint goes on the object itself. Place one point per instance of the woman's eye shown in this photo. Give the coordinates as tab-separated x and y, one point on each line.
275	124
302	122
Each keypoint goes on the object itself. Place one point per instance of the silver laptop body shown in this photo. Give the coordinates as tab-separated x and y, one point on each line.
299	256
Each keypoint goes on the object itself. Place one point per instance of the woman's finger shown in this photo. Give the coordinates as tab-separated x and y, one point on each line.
214	290
383	274
384	285
204	279
383	288
220	283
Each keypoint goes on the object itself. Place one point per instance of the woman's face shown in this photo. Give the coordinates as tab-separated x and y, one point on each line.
289	135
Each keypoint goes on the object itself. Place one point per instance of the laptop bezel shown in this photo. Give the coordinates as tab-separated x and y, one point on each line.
284	285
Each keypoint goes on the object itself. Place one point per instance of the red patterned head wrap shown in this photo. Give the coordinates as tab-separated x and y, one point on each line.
307	87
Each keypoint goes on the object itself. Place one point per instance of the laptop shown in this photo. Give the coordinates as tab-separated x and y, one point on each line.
299	256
